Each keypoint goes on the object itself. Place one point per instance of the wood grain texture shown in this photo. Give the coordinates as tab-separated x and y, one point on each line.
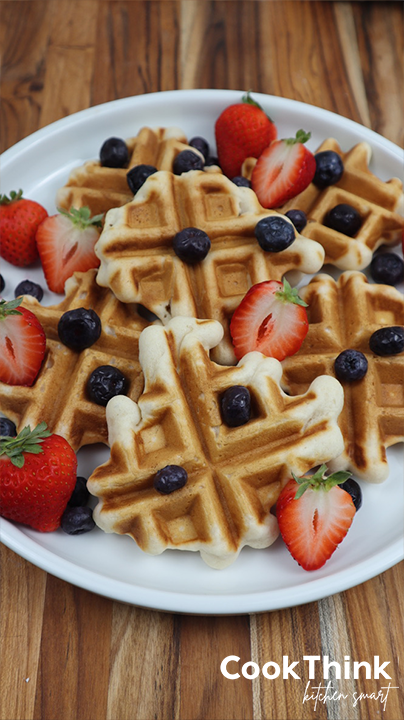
69	654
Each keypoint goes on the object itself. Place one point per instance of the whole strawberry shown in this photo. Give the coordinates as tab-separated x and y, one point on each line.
242	130
19	221
22	344
66	244
38	476
314	514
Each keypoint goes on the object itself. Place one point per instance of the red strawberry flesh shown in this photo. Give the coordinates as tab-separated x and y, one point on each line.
313	525
264	323
283	170
22	345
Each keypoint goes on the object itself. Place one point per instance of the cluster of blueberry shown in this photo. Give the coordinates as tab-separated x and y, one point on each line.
79	329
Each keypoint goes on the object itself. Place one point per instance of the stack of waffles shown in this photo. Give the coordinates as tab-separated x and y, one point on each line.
180	366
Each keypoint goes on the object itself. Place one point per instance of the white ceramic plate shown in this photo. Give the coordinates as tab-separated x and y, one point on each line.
113	566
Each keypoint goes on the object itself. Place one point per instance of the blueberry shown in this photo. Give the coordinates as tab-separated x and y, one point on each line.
274	233
7	428
241	181
27	287
138	175
114	153
350	365
170	478
104	383
187	160
80	494
387	340
2	283
343	218
212	161
146	314
235	405
199	143
329	169
298	218
387	268
191	245
79	329
353	488
77	520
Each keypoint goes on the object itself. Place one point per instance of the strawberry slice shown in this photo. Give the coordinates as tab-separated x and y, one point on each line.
66	244
271	319
314	515
283	170
22	344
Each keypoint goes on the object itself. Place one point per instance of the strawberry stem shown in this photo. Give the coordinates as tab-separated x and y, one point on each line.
9	308
27	441
249	101
318	480
81	217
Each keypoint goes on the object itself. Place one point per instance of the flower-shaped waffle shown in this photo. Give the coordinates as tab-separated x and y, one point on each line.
380	205
101	188
343	315
235	474
138	262
58	395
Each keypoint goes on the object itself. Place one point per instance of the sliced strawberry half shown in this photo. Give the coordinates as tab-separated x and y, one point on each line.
66	244
22	344
283	170
314	515
271	319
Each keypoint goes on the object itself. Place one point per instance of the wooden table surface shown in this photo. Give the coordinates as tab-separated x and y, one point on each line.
66	653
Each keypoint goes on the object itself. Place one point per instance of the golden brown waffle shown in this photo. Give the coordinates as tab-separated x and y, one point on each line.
234	474
342	316
101	188
58	395
138	262
380	204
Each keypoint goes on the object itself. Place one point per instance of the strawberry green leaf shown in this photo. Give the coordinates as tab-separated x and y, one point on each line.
81	217
301	137
318	481
10	308
289	295
14	196
27	441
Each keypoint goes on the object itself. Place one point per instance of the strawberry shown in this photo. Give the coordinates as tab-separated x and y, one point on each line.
19	220
271	318
66	244
242	130
22	344
38	476
314	515
283	170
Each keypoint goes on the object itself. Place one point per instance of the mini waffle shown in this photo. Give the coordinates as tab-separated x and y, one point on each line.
138	262
380	204
101	188
58	395
234	474
342	316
